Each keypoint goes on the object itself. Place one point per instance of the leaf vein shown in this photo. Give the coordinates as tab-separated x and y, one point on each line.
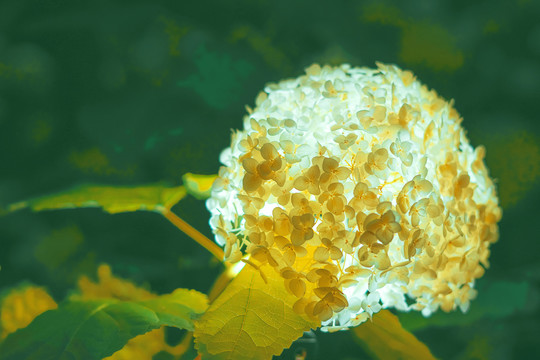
99	308
243	318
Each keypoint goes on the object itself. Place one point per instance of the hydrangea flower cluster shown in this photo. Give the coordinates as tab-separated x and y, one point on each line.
366	176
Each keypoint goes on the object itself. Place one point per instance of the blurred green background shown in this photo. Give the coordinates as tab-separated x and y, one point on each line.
137	92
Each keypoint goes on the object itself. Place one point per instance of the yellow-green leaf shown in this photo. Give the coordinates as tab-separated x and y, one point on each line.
251	319
198	186
113	199
386	339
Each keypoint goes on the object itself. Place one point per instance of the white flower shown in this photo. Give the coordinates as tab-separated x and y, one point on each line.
366	176
371	303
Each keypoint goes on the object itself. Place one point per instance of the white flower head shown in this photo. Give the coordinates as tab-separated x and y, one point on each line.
359	187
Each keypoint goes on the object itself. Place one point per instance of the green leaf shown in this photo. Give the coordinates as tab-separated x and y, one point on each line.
495	300
198	186
385	338
113	199
96	329
251	319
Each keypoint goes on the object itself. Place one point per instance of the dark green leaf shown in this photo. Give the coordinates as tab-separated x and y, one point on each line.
96	329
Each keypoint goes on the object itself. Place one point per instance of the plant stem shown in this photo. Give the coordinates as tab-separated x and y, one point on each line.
194	234
219	285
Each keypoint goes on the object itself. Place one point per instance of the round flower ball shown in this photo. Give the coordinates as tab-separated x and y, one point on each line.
360	188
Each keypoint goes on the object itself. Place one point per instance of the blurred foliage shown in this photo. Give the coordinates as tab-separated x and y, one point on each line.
109	286
55	249
21	305
219	80
94	161
423	43
515	159
140	92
